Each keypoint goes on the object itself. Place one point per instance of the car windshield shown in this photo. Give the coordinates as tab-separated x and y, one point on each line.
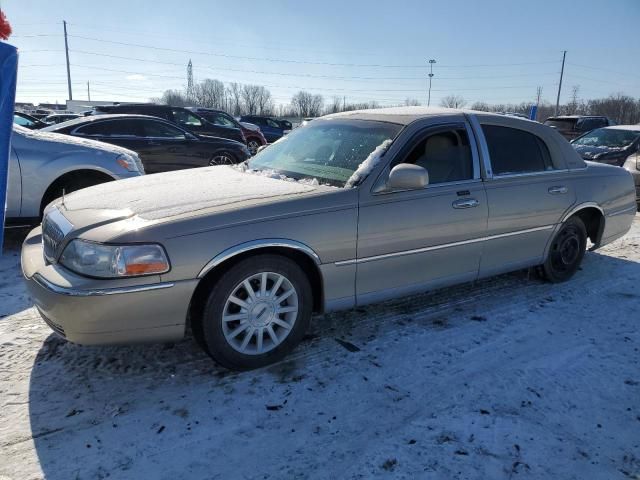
563	124
24	122
609	137
329	151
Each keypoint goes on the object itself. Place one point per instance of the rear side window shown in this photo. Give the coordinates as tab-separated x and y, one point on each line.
155	129
514	151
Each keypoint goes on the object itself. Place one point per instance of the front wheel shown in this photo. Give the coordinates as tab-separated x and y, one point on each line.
223	158
566	252
253	146
257	312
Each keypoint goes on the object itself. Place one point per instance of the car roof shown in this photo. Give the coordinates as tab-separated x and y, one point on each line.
631	128
407	115
107	116
574	117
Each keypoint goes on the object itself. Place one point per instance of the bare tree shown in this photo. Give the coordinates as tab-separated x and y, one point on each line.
209	93
306	104
335	106
480	106
234	94
174	97
250	96
453	101
411	102
265	103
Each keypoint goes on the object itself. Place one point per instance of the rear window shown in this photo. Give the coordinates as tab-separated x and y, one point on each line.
564	124
514	151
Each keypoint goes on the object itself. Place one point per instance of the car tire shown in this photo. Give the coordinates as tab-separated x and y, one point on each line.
243	330
566	251
253	146
223	158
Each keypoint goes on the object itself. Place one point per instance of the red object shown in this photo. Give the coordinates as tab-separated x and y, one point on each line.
5	28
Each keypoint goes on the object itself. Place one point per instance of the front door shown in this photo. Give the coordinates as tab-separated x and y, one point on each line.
411	241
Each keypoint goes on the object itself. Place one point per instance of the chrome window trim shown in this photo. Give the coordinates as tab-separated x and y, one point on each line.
482	143
441	246
74	292
529	174
255	244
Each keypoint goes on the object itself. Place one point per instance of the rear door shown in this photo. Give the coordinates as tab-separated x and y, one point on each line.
123	132
410	241
528	191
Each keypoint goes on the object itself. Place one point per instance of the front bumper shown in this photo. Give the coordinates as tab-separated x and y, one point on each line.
118	311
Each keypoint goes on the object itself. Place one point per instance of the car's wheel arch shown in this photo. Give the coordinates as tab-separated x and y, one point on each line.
69	176
592	215
301	254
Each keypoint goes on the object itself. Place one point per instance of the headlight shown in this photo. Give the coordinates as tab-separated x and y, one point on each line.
114	261
130	163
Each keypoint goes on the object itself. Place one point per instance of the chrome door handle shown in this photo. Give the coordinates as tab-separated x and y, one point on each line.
465	203
558	190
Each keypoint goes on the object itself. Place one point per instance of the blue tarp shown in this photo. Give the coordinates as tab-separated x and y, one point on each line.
8	72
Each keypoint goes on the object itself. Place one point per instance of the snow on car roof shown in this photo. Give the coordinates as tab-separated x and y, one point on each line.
633	128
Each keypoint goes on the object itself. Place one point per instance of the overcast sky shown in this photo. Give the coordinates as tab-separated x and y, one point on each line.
491	50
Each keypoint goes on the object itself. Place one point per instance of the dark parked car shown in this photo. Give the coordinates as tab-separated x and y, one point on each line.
572	126
270	128
162	146
253	135
619	146
56	118
182	117
27	121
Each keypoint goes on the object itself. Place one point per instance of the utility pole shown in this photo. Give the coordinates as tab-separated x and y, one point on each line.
564	55
344	103
66	51
88	91
431	62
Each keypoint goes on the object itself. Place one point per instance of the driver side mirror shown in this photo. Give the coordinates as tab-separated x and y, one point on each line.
406	176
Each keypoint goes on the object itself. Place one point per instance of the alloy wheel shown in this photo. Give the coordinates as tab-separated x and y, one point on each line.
260	313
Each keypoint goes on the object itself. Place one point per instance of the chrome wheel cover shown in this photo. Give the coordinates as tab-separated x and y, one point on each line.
260	313
253	147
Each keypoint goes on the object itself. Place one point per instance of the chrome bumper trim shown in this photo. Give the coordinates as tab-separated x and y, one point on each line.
73	292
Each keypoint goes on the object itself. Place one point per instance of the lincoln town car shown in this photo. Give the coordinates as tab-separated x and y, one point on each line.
350	209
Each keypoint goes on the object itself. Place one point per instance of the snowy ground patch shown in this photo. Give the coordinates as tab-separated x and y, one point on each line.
504	378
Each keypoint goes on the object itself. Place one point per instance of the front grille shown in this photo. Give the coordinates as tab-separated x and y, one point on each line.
53	325
52	235
54	228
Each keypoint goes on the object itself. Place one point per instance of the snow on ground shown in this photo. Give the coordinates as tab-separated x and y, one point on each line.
501	379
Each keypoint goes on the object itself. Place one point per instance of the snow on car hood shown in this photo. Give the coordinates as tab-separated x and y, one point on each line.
174	193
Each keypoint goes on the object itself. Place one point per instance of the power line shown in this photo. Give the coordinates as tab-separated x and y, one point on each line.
265	59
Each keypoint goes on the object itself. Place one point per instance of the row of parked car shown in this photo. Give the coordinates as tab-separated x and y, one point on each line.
158	138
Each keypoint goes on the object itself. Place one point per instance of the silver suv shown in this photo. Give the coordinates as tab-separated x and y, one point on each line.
44	165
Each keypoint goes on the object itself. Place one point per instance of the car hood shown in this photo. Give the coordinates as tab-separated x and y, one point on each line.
590	152
250	126
183	192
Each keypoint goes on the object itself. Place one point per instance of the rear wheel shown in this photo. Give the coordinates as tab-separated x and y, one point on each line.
257	312
566	251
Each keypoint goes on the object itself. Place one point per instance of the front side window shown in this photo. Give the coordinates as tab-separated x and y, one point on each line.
446	155
182	117
515	151
155	129
221	119
328	150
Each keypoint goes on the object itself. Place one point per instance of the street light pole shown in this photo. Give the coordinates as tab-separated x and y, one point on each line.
431	62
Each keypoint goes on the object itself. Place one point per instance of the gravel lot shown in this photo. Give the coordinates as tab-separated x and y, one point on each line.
504	378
